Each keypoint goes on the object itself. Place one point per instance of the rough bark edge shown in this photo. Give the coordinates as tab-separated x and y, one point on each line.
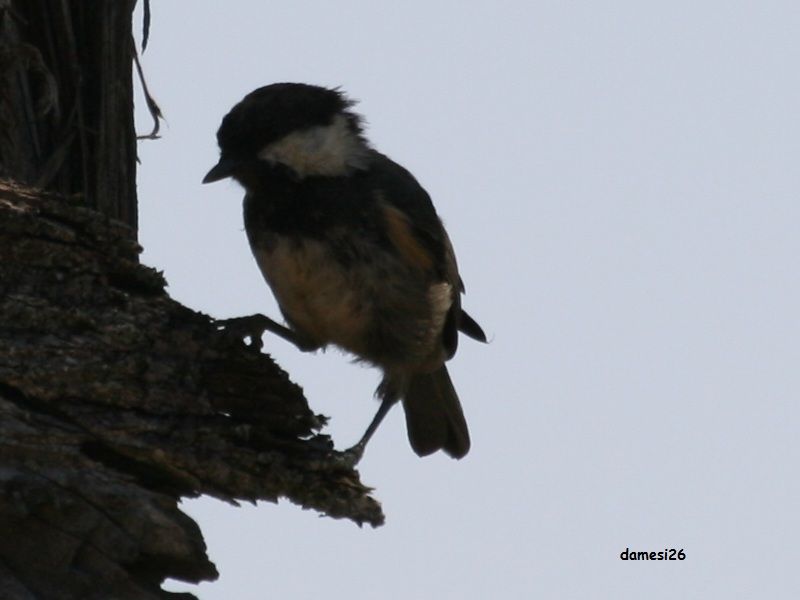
116	401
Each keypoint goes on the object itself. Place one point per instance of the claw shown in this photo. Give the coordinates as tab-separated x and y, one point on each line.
254	326
349	458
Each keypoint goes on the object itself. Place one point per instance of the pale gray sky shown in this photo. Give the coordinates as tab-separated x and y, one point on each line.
620	181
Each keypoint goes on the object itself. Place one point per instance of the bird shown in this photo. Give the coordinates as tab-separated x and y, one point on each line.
353	250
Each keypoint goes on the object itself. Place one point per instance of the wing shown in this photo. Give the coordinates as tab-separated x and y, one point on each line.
416	233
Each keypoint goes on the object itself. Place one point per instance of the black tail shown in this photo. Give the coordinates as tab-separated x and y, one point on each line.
434	417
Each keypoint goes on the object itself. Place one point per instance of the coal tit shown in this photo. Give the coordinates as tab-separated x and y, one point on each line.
353	250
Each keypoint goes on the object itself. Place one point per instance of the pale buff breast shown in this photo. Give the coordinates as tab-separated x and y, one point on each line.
314	292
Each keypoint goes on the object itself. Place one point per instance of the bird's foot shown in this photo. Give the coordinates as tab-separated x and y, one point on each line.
349	458
254	326
249	328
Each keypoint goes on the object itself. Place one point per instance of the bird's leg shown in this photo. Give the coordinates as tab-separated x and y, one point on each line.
353	455
254	326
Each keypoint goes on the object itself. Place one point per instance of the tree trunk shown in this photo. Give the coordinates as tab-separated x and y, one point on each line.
66	101
115	401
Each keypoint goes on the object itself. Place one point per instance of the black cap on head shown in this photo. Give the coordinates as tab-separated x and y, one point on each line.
273	111
269	113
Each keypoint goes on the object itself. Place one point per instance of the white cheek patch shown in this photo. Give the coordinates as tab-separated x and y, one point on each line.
328	150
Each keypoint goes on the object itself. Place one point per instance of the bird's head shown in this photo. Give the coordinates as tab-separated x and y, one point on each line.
305	129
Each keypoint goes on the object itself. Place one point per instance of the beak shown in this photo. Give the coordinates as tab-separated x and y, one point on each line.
224	168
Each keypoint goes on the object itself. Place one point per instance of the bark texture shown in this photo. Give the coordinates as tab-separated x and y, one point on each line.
66	101
115	401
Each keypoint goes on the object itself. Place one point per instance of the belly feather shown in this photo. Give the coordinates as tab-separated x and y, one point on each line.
315	293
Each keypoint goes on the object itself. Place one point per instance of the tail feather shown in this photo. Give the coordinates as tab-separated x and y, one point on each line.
434	417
